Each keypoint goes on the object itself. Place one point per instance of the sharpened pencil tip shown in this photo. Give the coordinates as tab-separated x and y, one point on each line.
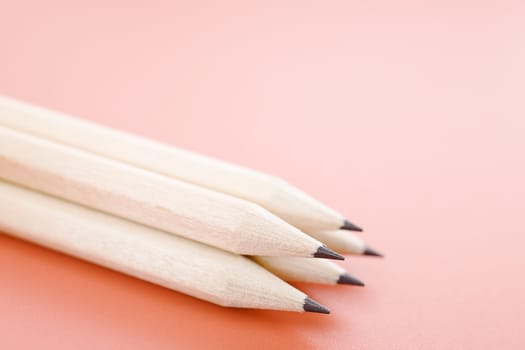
347	225
313	306
346	278
372	252
327	253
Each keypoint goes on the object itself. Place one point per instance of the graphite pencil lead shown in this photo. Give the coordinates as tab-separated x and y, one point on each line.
327	253
313	306
346	278
372	252
347	225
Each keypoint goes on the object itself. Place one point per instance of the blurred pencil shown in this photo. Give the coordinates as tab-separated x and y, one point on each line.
307	270
344	242
272	193
176	263
164	203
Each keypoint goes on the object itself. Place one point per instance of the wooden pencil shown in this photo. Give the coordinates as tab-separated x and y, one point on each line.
307	270
272	193
164	203
176	263
344	242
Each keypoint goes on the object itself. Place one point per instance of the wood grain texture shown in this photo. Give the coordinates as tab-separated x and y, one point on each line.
270	192
220	220
177	263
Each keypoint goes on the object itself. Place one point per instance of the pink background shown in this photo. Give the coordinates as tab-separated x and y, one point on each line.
408	116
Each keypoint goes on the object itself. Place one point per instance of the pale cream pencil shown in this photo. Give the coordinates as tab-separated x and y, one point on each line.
164	203
307	270
270	192
344	242
176	263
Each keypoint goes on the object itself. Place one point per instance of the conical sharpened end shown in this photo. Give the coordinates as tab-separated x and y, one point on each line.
327	253
347	225
313	306
372	252
346	278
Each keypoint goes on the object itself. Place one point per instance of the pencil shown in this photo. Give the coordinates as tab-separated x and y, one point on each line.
176	263
164	203
344	242
307	270
274	194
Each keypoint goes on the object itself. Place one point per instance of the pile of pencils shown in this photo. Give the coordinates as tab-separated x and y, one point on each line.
200	226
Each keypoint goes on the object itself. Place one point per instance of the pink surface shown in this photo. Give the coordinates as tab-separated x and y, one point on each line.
408	116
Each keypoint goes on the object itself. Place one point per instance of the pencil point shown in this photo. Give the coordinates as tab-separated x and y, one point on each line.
347	225
327	253
313	306
346	278
372	252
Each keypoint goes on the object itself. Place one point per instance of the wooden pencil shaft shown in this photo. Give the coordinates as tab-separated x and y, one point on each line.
341	241
148	198
274	194
180	264
302	269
